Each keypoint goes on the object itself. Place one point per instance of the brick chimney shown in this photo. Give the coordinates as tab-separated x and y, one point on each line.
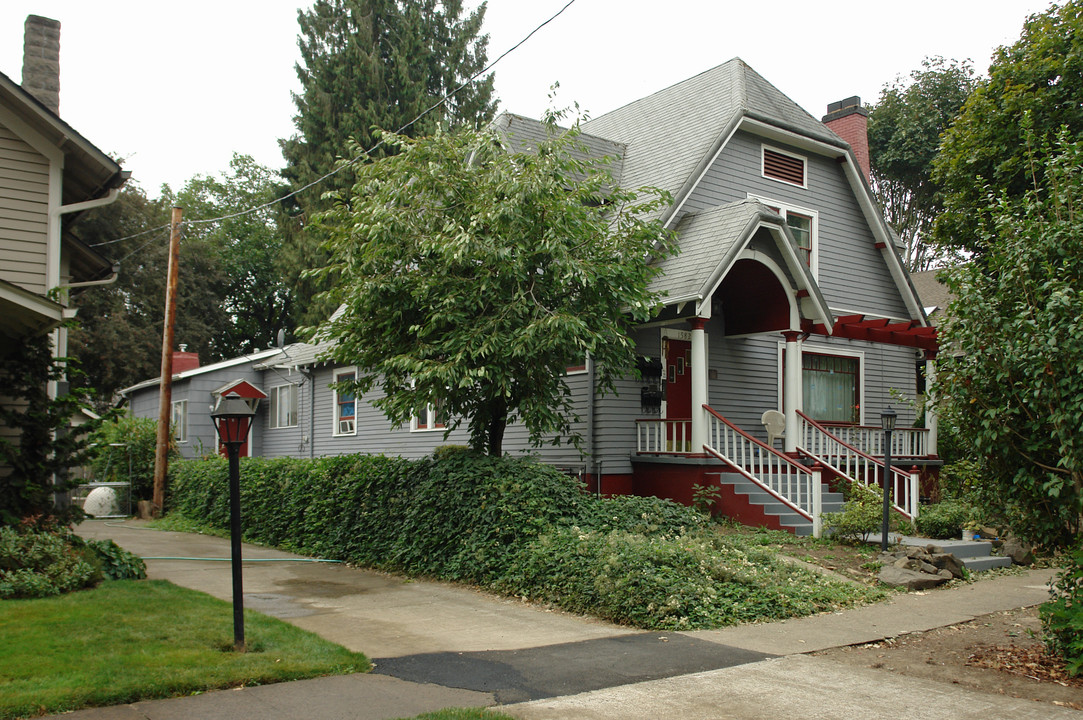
41	60
183	360
847	119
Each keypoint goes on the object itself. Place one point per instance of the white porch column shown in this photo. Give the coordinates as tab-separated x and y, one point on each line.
793	396
931	420
699	383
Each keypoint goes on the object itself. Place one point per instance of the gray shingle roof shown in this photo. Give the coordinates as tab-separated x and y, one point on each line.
711	241
708	239
669	135
522	134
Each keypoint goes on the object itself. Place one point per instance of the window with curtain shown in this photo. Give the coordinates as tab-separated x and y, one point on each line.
830	387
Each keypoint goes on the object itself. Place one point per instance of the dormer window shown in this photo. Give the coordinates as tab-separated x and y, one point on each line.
784	167
804	226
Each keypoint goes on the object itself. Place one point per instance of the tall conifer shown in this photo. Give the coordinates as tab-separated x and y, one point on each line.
369	64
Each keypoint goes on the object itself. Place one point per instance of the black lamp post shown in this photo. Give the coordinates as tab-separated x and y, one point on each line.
232	418
887	422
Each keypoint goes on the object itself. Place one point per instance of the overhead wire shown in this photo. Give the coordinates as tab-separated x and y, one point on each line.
345	164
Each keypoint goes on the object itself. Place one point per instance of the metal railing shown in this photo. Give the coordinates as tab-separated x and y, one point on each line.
856	466
791	483
670	436
869	439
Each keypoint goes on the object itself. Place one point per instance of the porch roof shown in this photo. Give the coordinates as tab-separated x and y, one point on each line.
712	241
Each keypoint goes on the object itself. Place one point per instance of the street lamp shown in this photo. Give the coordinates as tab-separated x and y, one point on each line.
887	422
232	418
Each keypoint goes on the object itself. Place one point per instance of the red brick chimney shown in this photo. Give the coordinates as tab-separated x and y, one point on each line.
183	361
847	119
41	60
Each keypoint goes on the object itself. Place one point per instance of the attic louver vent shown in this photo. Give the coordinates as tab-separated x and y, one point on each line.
786	168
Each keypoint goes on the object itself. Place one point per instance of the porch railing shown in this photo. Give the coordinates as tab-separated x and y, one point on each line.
856	466
664	436
869	439
791	483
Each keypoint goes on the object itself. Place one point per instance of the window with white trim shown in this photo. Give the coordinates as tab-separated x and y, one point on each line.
803	224
283	407
345	405
832	383
831	387
777	164
430	417
179	420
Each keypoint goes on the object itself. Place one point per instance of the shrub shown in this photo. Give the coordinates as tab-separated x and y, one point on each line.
123	450
943	519
36	563
862	515
1062	617
115	562
511	524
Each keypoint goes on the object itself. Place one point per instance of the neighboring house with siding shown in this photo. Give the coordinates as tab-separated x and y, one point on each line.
787	295
49	174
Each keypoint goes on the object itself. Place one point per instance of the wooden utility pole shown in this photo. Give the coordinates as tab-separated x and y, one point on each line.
165	395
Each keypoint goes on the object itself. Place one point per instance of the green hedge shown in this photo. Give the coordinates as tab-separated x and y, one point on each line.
513	525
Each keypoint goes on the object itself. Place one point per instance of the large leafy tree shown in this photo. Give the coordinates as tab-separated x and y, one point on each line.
1033	87
256	300
368	64
471	277
1014	388
230	297
905	127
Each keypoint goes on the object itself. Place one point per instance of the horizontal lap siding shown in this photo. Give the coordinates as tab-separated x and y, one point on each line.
288	441
197	390
24	213
375	434
616	412
852	272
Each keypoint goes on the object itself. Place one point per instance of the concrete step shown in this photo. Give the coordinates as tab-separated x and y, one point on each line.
961	549
976	555
978	564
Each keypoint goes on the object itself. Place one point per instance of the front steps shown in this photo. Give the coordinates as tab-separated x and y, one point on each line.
748	503
976	555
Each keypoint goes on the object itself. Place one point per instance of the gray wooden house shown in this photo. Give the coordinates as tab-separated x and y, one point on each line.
49	175
789	322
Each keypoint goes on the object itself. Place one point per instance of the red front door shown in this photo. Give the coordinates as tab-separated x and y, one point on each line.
678	382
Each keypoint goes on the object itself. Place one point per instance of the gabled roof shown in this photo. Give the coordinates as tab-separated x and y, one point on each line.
203	369
88	172
713	240
673	133
523	134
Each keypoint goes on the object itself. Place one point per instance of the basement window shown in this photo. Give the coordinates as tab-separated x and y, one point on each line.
784	167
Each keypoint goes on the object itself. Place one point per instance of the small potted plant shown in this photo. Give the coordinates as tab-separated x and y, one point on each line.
972	530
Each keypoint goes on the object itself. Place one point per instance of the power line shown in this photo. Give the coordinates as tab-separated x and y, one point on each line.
354	161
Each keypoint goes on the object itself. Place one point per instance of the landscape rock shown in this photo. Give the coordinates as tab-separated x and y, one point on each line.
1020	553
910	579
918	568
947	561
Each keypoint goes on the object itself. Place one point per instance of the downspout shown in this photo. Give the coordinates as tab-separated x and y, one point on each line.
592	462
311	374
92	283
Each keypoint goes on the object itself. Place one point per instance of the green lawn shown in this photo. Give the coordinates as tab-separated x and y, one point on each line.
135	640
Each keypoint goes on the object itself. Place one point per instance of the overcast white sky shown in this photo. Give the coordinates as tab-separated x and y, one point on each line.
176	88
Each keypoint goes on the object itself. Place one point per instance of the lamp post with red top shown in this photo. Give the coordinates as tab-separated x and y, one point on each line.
232	418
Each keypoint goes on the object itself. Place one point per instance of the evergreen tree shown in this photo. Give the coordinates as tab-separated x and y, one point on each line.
369	64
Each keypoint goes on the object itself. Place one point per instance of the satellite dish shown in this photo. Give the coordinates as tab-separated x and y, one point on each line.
281	338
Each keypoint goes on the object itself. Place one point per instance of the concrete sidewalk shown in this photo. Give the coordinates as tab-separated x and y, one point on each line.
448	646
